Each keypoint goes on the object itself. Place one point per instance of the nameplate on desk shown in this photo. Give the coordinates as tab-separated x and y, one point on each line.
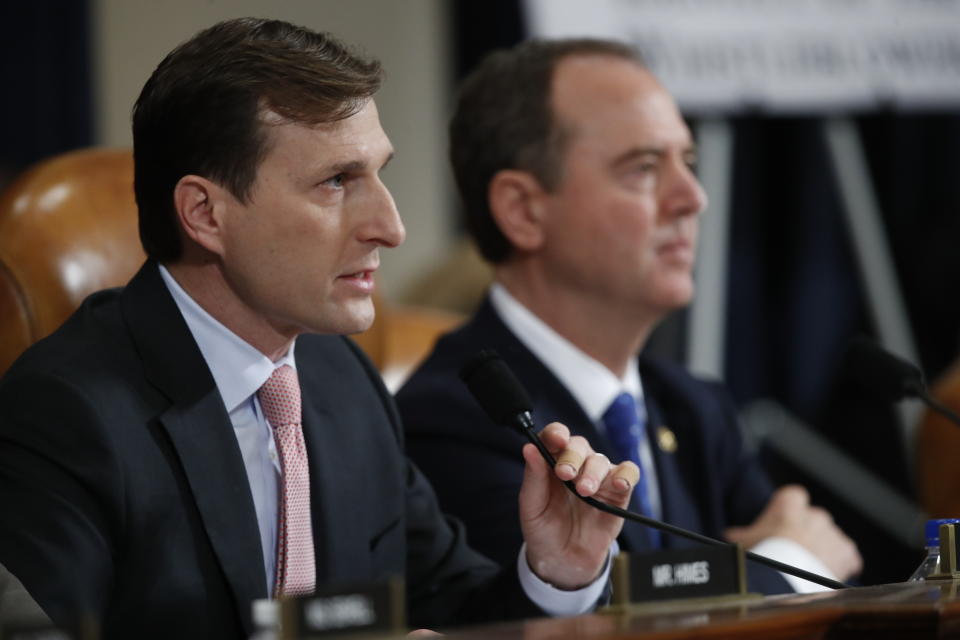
678	573
949	565
377	607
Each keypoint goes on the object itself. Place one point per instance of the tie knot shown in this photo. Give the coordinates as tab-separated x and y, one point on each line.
624	426
280	397
622	412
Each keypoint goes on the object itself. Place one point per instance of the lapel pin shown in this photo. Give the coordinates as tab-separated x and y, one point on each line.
666	440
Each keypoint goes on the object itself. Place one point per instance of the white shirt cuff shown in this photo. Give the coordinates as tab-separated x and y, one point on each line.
558	602
790	552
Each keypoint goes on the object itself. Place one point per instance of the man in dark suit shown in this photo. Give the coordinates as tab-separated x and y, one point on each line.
576	171
179	449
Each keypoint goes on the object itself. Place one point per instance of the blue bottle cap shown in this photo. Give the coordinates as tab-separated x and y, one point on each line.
933	530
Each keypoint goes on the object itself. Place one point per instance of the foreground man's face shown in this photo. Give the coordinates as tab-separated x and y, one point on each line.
303	250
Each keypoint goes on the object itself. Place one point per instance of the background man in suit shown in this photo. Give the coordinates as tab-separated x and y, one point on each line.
576	171
179	448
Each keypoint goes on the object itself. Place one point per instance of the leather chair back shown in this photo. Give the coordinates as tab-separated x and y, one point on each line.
68	227
938	443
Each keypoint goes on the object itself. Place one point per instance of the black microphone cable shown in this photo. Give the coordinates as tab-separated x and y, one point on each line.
504	399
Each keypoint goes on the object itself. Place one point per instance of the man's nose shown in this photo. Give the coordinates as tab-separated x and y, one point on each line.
685	196
383	226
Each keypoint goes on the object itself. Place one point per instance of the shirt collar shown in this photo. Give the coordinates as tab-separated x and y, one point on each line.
238	369
592	385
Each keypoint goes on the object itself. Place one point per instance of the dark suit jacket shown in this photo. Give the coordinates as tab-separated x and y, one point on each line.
709	483
123	492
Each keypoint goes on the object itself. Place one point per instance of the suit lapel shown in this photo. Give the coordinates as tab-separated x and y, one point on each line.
200	430
339	457
326	471
679	507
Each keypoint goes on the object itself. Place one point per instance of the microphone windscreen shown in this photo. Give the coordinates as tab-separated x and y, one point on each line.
881	372
495	387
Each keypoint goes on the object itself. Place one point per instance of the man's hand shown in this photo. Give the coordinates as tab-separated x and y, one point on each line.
568	540
789	515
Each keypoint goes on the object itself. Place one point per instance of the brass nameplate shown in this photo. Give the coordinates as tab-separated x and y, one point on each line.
679	573
349	609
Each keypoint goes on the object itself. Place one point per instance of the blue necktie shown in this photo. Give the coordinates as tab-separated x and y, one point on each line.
625	429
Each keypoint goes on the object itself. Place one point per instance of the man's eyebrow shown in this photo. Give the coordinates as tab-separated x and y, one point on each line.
635	153
350	166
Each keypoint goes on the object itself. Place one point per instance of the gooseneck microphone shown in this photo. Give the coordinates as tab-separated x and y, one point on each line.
889	376
504	399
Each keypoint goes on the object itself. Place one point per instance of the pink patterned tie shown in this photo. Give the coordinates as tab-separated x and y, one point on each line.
280	401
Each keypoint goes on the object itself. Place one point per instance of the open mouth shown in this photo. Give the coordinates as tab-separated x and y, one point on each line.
359	275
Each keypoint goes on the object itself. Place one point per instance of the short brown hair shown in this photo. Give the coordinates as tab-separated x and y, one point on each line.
199	112
503	121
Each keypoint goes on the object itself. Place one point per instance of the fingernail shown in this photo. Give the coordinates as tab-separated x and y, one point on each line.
588	486
567	470
622	484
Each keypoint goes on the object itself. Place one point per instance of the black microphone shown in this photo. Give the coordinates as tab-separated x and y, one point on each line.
893	378
882	372
504	399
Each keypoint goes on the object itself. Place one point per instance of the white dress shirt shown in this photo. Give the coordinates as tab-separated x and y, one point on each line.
594	387
239	370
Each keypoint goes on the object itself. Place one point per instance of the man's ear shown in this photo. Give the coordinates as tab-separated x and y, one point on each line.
198	202
517	204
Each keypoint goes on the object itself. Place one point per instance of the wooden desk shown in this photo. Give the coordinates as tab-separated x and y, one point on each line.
904	610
